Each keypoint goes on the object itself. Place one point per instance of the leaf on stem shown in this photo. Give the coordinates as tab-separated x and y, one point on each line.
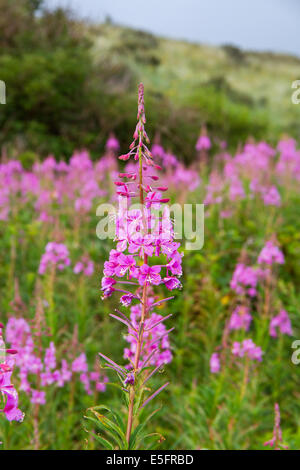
154	395
157	323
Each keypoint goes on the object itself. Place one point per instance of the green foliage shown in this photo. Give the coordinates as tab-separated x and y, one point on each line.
46	99
112	432
28	159
47	69
69	84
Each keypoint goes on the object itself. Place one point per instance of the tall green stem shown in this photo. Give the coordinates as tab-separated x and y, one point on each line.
143	314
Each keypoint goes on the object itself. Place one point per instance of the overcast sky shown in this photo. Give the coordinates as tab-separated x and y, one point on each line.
272	25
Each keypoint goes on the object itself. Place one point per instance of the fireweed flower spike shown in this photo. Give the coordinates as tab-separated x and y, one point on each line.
276	441
142	237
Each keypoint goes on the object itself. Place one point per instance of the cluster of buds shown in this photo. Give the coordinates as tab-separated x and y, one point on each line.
276	442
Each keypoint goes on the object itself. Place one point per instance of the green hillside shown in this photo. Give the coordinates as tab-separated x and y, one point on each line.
70	83
206	79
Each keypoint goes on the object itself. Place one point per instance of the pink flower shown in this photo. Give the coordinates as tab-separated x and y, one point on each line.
281	322
240	319
112	143
111	265
236	189
142	245
214	363
203	143
126	299
78	267
85	266
107	282
126	264
7	390
47	378
175	264
10	409
100	386
247	348
270	254
65	374
149	275
84	379
57	254
186	178
50	359
245	279
83	204
157	151
171	283
167	247
236	349
272	197
38	397
80	364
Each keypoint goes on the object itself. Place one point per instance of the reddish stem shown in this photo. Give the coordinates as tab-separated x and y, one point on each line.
144	310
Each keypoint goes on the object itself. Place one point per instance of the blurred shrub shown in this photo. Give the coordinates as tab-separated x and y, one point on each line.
141	44
235	54
48	97
46	65
28	159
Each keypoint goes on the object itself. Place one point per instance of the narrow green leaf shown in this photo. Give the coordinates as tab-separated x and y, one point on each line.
115	415
107	430
104	442
110	425
139	429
